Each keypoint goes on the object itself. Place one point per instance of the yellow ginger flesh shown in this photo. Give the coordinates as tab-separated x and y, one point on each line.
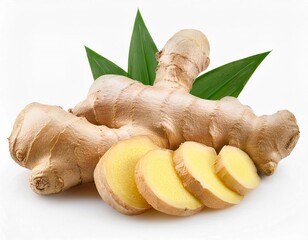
199	161
160	176
118	174
237	170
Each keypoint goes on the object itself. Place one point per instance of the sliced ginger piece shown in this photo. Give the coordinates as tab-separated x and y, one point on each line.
195	164
114	175
160	185
236	169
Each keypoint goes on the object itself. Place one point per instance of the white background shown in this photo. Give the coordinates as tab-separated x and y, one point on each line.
42	59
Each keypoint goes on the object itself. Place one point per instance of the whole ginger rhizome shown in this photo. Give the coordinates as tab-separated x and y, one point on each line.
62	148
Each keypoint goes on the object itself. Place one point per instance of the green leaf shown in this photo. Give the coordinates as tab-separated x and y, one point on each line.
141	60
227	80
101	66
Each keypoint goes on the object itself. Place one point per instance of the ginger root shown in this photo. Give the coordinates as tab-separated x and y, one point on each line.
114	175
168	110
159	184
195	164
235	168
62	150
175	116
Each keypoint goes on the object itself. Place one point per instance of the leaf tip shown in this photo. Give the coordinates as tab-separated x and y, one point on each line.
266	53
88	50
138	16
138	12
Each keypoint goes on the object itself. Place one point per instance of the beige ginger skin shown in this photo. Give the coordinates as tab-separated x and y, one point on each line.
62	149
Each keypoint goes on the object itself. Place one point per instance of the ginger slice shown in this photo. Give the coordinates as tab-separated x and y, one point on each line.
114	175
236	169
195	164
160	185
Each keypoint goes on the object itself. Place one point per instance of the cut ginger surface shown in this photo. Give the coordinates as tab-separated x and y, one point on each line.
160	185
115	175
237	170
195	164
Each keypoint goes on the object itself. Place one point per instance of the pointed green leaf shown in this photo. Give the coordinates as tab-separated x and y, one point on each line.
141	60
227	80
101	66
